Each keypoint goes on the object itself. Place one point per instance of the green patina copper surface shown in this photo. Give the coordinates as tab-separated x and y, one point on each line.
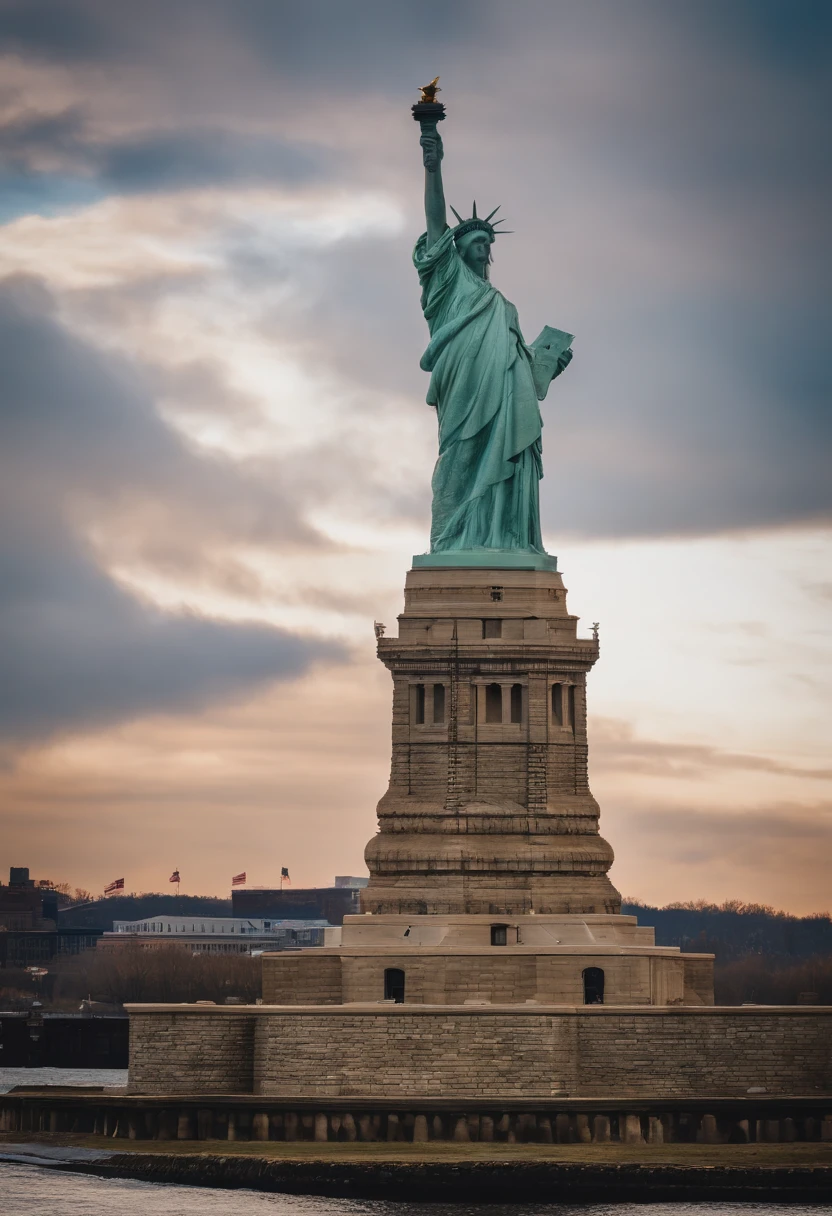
485	384
493	559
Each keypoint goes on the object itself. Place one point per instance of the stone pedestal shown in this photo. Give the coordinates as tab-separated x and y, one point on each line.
488	876
489	960
488	810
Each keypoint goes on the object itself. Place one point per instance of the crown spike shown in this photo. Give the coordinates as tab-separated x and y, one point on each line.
456	213
474	215
494	212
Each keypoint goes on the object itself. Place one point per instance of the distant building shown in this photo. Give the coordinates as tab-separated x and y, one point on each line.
28	919
184	924
24	904
36	947
344	880
214	934
330	904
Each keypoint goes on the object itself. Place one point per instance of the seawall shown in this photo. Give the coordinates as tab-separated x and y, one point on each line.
504	1052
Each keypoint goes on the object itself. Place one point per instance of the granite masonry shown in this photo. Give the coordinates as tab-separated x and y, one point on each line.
490	960
512	1052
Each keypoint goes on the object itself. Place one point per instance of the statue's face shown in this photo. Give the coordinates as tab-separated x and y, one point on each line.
475	250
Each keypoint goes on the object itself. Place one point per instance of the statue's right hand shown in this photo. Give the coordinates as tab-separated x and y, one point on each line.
432	150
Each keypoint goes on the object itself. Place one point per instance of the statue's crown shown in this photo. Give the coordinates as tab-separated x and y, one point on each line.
477	222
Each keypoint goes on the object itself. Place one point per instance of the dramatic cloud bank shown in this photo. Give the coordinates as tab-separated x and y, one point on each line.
214	450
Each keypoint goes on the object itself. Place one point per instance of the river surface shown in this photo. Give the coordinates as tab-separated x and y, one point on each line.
33	1191
9	1077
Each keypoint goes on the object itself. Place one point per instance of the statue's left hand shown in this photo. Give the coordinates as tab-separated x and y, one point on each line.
563	362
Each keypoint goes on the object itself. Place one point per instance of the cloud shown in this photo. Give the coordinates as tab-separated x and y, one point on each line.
775	853
676	229
53	29
80	652
78	435
615	748
767	837
42	150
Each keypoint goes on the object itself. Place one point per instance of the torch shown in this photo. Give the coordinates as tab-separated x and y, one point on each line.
428	112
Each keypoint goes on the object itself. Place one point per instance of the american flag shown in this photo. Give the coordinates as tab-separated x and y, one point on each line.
174	876
284	875
239	879
118	885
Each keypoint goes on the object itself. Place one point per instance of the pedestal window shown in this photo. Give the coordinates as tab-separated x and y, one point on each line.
593	986
394	985
493	703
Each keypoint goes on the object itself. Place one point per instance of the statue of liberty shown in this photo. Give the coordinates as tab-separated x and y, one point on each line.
485	383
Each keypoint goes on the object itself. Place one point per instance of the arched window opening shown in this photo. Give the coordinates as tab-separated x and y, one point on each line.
499	935
418	694
517	702
593	986
492	629
438	704
557	703
493	703
572	706
394	985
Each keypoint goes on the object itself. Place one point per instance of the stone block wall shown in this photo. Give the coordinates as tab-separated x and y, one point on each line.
403	1052
669	1053
721	1052
699	980
313	978
412	1054
302	979
173	1052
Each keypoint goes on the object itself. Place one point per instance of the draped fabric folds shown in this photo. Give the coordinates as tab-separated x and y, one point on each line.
486	480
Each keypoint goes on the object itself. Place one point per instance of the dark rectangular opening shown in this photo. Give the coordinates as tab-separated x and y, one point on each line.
419	704
493	703
557	703
394	985
439	703
492	629
593	986
517	702
499	935
572	706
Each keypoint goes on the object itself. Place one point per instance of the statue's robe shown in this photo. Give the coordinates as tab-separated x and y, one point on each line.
486	480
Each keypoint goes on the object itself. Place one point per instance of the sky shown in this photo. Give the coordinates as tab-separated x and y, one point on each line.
215	454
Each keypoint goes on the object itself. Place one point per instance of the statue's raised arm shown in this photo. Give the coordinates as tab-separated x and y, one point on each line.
429	113
436	217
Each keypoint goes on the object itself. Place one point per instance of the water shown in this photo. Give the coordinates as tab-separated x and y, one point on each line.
9	1077
31	1191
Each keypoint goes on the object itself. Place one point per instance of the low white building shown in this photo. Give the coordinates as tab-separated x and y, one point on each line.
211	924
215	934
